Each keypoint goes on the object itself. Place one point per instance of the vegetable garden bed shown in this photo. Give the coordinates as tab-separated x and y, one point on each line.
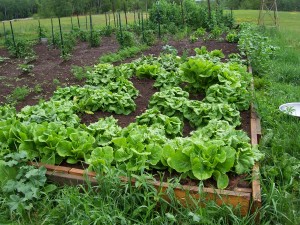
247	199
155	140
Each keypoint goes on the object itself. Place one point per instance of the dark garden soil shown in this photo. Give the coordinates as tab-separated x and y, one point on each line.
50	72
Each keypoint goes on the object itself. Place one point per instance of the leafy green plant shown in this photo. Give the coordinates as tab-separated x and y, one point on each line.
200	32
216	32
56	81
94	39
126	39
107	31
232	37
42	32
193	39
173	125
25	68
38	88
257	48
80	72
18	94
3	59
168	49
20	49
149	37
122	54
22	184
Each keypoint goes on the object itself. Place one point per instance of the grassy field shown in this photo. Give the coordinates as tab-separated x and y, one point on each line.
28	28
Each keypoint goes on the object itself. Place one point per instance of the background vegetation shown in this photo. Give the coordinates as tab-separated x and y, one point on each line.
14	9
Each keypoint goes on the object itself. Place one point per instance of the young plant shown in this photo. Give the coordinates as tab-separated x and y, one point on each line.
94	39
18	94
25	68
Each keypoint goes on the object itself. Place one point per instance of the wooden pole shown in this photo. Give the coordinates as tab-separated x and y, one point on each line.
52	31
78	21
4	30
13	36
61	37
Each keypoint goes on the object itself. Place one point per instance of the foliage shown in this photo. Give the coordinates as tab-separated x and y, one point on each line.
232	37
149	37
122	54
21	48
21	184
126	39
18	94
173	125
25	68
80	72
95	39
61	112
257	48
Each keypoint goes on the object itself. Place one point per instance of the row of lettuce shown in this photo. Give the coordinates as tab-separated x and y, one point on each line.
51	131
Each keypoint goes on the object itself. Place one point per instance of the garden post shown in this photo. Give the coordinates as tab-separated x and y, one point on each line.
61	37
13	36
52	31
78	21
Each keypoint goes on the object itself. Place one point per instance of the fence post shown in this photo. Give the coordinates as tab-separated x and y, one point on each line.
105	18
4	30
139	18
40	31
52	31
78	21
125	11
143	33
72	23
61	38
86	23
109	18
13	36
120	26
182	12
134	17
91	27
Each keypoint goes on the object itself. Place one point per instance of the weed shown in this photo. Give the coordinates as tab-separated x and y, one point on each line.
56	82
193	39
3	59
25	68
18	94
38	88
80	72
168	49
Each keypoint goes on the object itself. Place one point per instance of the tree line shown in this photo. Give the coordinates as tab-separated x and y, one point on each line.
10	9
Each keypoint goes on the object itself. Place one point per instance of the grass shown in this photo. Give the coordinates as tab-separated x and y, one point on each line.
280	142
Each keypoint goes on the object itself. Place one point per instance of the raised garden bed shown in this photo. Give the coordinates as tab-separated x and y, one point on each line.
107	90
247	199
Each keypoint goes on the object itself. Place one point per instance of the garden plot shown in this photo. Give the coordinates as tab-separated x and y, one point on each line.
51	130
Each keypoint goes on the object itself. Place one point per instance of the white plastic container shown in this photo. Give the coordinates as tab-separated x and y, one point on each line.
292	108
